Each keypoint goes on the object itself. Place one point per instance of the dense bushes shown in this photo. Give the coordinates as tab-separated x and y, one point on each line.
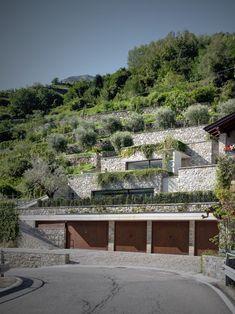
111	125
226	107
135	123
9	228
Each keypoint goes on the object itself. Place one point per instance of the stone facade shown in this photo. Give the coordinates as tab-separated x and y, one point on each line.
186	135
196	178
84	184
117	209
34	258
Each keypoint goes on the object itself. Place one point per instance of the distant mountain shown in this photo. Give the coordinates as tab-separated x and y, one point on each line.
85	77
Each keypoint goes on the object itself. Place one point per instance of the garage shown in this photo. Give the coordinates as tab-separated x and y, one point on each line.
87	235
204	231
130	236
170	237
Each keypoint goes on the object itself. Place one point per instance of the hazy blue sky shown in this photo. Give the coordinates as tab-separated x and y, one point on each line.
43	39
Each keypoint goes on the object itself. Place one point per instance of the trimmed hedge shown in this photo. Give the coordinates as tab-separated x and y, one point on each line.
160	198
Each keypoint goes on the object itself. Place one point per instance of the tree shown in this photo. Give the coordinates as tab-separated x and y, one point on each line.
45	176
225	210
86	137
135	123
197	114
165	118
111	124
57	142
121	139
226	108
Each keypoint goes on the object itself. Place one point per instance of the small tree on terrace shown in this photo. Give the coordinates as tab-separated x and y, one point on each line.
45	177
165	118
197	114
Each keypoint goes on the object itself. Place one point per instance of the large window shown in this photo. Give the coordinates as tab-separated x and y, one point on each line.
126	192
144	164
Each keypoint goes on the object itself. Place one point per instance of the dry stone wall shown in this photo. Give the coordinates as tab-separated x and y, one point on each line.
196	178
34	258
115	209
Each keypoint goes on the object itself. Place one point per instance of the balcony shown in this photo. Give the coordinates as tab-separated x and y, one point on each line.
229	149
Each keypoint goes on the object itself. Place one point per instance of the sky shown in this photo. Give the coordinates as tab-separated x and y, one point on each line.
44	39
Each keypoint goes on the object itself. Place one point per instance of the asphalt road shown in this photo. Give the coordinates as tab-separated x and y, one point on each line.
79	289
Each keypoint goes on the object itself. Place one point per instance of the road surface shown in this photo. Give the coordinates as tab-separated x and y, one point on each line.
84	290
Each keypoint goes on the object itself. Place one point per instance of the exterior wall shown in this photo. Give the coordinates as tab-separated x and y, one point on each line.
83	185
213	266
111	164
196	178
186	135
201	153
34	258
222	142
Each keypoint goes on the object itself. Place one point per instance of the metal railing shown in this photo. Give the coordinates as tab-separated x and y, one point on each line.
229	269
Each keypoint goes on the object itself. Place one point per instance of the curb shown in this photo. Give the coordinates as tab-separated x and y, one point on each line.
18	283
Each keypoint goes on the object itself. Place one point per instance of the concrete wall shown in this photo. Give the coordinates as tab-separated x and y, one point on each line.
34	258
213	266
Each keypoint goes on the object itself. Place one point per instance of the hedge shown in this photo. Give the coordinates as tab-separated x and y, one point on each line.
9	228
160	198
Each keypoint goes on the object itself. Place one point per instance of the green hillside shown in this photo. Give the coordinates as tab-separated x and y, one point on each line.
180	79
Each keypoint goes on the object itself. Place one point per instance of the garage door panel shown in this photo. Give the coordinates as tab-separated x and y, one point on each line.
204	231
88	235
130	236
170	237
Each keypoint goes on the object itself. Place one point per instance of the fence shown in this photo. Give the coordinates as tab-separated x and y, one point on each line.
230	269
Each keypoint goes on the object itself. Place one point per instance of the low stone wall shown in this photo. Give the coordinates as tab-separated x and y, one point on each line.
34	258
117	209
213	266
196	178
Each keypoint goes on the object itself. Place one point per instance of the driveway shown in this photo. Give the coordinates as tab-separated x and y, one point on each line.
82	289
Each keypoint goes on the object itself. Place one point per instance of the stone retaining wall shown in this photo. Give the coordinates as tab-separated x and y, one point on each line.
196	178
121	209
213	266
34	258
83	185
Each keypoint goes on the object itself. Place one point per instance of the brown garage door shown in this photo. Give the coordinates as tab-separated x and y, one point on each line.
130	236
170	237
204	231
87	235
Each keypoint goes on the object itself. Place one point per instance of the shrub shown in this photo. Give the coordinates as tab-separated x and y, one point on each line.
204	94
57	142
9	222
87	137
121	139
8	190
226	108
197	114
135	123
165	118
111	124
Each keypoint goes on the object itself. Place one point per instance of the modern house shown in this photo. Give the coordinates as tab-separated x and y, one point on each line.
160	163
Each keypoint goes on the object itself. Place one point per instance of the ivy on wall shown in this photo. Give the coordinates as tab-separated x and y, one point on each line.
9	228
162	148
107	178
